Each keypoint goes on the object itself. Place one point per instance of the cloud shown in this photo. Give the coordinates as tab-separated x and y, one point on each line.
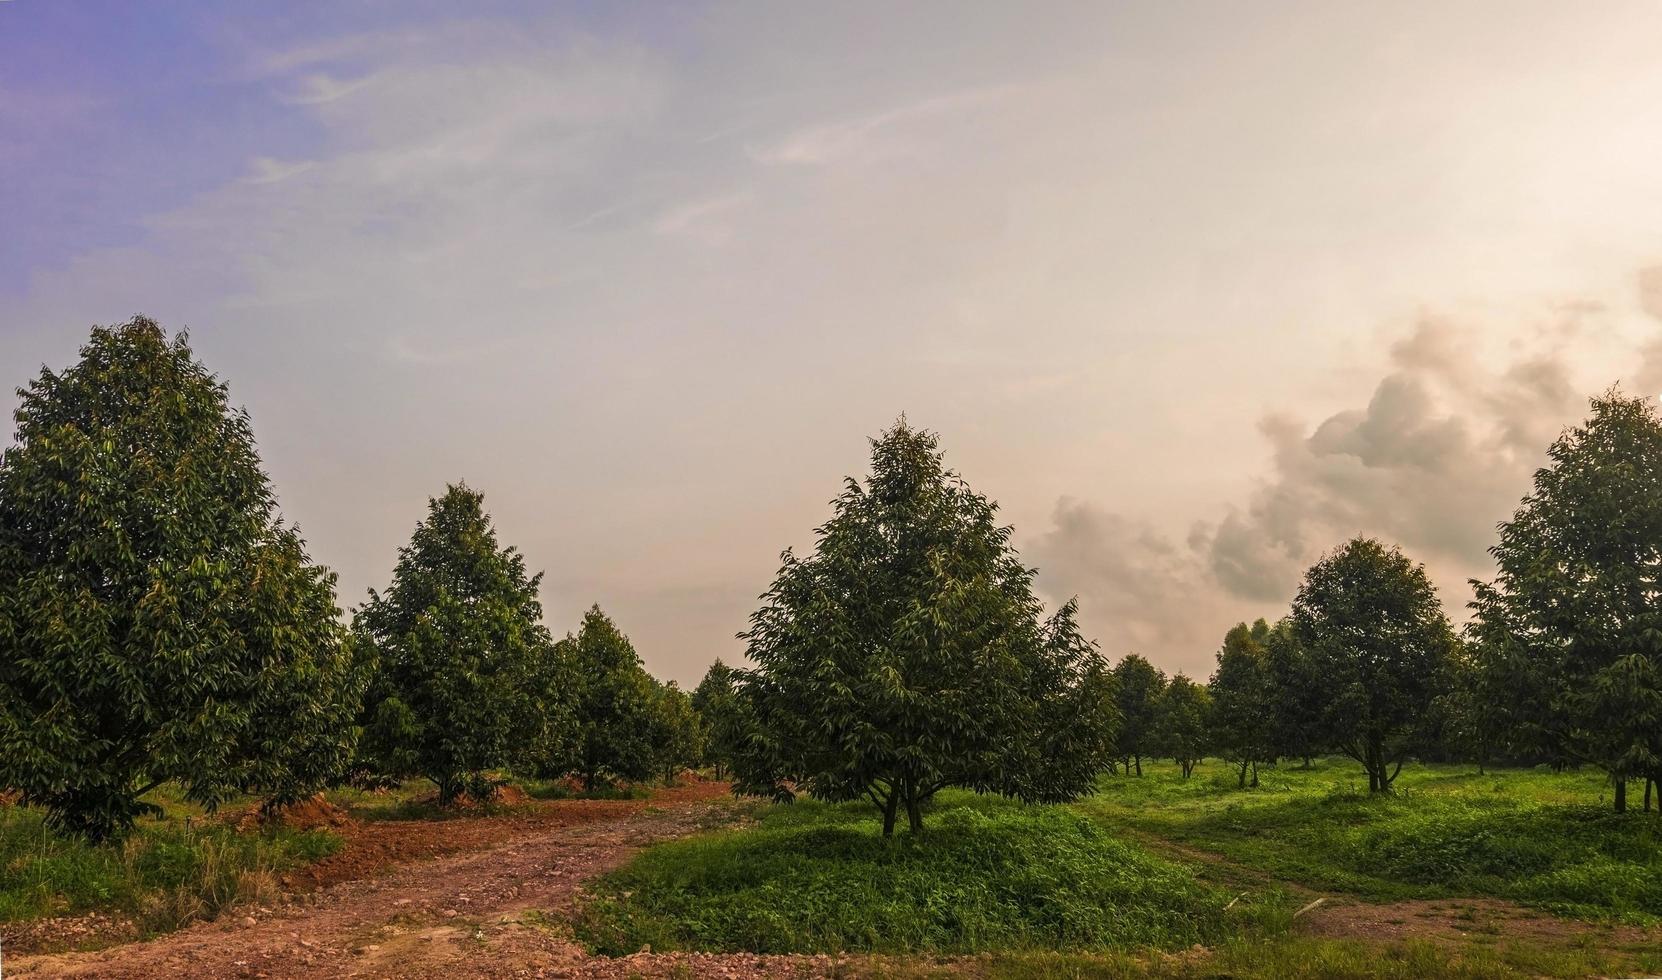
320	88
1139	590
265	170
702	220
874	137
1440	451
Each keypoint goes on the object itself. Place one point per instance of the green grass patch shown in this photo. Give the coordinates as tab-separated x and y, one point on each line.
985	874
1541	838
166	873
1291	957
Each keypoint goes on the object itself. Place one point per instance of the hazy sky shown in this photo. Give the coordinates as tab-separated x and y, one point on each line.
1196	291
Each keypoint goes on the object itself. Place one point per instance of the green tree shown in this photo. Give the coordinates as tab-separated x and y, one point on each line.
716	701
456	634
1571	624
545	741
614	703
1139	685
677	734
158	621
908	654
1379	641
1299	701
1243	700
1181	728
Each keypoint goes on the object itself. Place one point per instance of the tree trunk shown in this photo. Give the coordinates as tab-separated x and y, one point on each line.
1621	794
914	812
889	809
1241	782
1254	774
1139	765
588	781
1648	782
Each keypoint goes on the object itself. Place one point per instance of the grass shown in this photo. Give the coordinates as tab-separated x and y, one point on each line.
1540	838
167	873
1307	958
985	874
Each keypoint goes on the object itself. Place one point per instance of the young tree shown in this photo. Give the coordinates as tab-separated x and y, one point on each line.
456	634
1299	698
677	735
1139	686
907	654
716	702
1572	622
615	700
158	621
1243	700
1180	726
1379	641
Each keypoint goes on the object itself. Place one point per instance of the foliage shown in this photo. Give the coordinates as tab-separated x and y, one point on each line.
613	701
987	875
1570	630
1447	831
457	633
545	738
907	654
1244	721
716	701
158	621
1382	648
1299	700
677	735
1181	726
1139	686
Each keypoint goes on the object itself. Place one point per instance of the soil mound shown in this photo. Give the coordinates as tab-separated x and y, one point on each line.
501	795
308	814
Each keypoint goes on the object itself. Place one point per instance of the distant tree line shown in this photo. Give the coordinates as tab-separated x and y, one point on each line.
1560	665
160	622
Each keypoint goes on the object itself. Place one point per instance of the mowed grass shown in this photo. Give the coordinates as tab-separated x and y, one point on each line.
985	874
166	873
1540	838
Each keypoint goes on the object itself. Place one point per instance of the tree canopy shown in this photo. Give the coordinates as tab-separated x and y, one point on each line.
1381	647
456	634
908	653
716	701
158	620
1182	723
1569	632
1139	685
615	701
1244	722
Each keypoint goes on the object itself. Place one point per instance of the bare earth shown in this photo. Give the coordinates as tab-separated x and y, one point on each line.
487	905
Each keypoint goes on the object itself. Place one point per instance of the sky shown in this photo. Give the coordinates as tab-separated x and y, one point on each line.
1196	291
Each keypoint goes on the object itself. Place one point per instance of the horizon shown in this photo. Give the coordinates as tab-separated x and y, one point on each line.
1193	299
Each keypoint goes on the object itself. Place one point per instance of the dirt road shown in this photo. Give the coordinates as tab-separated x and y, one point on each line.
487	905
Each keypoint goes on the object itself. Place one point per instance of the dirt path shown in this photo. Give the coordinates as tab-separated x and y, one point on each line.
488	905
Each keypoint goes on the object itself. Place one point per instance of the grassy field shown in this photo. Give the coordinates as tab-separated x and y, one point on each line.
1540	838
1134	881
985	874
168	872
